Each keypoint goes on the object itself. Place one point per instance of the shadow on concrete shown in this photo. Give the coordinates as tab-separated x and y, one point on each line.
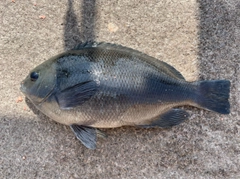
75	32
216	37
219	45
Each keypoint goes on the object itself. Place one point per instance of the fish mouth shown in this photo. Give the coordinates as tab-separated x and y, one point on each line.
22	88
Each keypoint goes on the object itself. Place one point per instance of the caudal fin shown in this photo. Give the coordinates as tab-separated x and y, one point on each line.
213	95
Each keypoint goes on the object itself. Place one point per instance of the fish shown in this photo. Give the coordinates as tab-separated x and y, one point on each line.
104	85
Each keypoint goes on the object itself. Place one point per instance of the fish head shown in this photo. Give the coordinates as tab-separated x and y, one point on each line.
40	82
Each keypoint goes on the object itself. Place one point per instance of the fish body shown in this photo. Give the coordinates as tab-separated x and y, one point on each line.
101	85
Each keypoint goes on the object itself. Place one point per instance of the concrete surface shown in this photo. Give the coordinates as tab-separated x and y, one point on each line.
200	38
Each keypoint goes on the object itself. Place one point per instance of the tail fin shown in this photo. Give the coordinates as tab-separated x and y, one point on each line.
213	95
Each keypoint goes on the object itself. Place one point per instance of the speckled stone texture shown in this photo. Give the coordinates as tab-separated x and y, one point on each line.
199	38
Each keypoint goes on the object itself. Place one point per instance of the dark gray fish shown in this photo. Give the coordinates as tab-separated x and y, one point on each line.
101	85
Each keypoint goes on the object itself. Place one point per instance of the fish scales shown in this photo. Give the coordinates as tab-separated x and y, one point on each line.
126	84
101	85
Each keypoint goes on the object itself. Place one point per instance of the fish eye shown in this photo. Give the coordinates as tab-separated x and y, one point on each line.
34	76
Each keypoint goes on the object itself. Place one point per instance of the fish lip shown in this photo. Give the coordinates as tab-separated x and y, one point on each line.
23	88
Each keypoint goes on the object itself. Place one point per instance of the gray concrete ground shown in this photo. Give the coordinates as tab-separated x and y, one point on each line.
199	38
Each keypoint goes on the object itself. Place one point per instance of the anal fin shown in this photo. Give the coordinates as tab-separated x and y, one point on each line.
168	119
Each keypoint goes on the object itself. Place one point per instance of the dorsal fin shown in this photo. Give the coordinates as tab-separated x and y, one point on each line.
85	45
162	66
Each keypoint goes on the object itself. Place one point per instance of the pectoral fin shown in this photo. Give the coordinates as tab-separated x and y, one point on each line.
76	95
168	119
87	135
